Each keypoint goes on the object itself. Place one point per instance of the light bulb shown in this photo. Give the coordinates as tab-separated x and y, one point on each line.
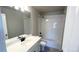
16	7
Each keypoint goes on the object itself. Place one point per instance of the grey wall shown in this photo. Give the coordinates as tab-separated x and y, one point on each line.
54	13
27	25
47	14
15	23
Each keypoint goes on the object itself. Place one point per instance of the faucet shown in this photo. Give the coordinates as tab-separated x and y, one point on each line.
21	38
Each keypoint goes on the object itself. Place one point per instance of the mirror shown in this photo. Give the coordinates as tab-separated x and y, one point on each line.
18	22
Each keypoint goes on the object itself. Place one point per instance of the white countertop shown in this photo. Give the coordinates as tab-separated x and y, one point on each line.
15	45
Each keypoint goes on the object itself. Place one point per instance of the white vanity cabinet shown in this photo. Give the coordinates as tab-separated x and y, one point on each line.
35	48
31	44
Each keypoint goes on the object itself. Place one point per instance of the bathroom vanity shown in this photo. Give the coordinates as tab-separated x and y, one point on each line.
30	44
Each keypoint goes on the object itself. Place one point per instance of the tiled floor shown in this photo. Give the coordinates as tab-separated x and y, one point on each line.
54	50
47	49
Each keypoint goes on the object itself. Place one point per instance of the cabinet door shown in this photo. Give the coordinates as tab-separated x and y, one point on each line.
35	48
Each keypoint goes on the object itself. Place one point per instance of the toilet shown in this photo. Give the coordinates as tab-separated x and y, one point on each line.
42	45
46	44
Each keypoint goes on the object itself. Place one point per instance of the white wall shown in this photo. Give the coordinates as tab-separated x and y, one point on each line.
71	33
47	14
15	21
34	21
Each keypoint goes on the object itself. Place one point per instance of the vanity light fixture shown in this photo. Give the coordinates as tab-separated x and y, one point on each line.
17	7
22	9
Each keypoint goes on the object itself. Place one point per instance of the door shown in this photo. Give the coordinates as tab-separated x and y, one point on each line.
52	30
71	31
2	37
4	25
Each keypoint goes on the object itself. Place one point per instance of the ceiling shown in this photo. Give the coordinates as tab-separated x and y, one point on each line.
49	8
